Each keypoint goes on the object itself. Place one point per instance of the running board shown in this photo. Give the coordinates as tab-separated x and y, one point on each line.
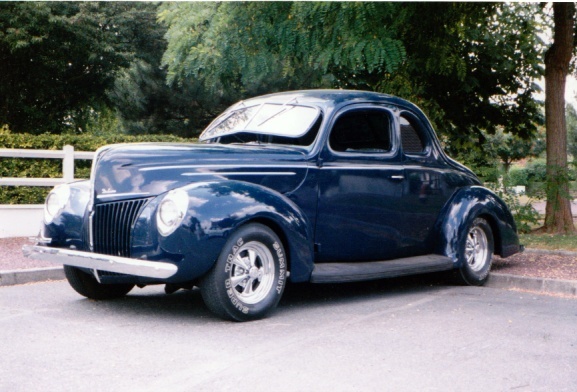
355	272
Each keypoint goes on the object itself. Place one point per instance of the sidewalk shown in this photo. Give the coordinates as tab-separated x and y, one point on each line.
15	269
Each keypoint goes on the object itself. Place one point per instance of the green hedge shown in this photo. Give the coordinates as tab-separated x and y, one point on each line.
518	176
538	189
52	168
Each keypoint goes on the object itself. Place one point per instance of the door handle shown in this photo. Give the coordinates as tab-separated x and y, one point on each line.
398	177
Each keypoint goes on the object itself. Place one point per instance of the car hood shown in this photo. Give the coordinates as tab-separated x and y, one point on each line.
144	170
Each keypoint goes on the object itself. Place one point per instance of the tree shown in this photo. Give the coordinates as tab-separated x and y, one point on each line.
228	51
558	218
469	65
472	66
57	60
571	118
510	148
142	100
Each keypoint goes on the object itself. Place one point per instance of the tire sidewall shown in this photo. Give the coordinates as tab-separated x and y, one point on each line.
233	306
87	286
468	275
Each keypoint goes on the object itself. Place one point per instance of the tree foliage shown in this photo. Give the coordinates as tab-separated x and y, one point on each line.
57	60
509	148
144	103
470	65
228	51
474	65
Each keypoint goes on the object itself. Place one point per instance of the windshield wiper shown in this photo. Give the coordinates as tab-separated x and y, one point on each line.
282	109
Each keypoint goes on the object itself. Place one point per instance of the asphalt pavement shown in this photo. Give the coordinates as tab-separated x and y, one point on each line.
396	335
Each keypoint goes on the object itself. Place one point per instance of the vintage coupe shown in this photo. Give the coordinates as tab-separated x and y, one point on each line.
308	186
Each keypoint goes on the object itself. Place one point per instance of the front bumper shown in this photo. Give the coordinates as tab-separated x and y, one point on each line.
100	262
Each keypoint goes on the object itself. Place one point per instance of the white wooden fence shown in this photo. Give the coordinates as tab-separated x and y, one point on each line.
67	154
22	220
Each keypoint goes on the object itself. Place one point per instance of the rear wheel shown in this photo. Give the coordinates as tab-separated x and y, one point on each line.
87	285
476	254
249	277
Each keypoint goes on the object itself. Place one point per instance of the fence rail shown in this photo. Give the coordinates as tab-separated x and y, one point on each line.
67	155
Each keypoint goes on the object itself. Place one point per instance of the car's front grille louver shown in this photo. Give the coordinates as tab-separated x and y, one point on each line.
112	224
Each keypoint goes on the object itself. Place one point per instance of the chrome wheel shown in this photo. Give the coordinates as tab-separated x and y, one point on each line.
249	276
252	273
476	253
476	249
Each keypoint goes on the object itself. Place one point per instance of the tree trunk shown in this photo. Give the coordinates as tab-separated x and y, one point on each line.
558	217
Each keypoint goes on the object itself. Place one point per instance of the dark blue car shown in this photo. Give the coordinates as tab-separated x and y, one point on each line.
309	186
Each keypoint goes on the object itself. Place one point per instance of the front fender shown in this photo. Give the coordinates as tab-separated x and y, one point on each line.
467	204
215	210
68	228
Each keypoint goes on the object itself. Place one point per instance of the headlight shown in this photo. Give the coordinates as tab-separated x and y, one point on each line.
56	201
171	211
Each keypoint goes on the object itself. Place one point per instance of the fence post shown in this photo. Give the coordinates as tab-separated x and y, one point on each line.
68	164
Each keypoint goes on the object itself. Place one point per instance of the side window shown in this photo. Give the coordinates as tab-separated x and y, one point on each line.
366	131
412	139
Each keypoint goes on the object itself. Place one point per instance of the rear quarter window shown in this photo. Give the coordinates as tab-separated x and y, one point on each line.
413	139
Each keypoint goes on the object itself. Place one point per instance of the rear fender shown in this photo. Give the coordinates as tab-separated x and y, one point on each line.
466	205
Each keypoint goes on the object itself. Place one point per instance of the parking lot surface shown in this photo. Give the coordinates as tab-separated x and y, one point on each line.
395	335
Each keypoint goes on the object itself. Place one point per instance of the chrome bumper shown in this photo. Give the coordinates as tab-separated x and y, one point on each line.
100	262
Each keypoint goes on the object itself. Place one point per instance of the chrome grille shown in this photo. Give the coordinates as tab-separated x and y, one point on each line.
112	224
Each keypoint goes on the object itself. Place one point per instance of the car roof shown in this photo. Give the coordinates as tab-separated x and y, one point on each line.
327	98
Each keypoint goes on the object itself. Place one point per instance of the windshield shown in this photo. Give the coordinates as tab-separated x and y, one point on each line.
282	120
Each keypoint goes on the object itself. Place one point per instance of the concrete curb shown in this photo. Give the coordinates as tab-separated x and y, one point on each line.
539	285
33	275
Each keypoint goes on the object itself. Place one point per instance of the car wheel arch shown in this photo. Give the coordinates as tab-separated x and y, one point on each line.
282	216
464	207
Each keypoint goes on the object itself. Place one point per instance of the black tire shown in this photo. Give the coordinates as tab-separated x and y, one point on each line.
249	277
476	254
87	285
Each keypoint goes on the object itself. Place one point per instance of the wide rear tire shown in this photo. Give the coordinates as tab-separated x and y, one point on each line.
476	254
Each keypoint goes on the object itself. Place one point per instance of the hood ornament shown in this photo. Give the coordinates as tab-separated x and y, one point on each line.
108	191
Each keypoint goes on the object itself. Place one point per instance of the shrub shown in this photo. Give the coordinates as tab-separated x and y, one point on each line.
536	171
537	190
518	176
487	173
525	215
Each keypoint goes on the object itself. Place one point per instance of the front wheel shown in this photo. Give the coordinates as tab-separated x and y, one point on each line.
476	254
87	285
249	277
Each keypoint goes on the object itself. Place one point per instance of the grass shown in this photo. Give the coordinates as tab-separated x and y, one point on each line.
549	241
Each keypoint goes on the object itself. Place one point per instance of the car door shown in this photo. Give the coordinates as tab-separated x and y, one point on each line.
360	188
